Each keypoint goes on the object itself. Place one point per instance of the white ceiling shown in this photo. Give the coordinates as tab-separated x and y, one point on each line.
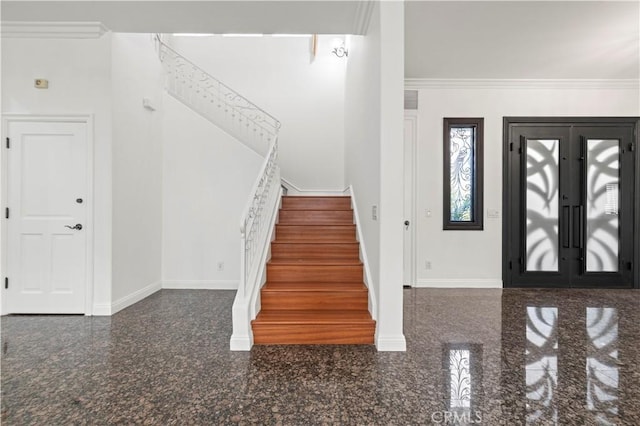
543	39
443	39
238	16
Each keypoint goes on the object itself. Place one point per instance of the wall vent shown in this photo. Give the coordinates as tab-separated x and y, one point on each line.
410	99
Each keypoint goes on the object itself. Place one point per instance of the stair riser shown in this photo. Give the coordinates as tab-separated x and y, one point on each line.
316	203
314	251
312	334
315	217
347	273
315	233
311	300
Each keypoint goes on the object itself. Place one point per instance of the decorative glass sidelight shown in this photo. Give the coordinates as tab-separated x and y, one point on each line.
542	198
602	205
463	173
462	141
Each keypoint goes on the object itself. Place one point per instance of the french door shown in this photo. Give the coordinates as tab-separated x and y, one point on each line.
569	202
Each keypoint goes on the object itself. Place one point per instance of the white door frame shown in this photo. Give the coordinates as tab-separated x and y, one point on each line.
411	116
87	119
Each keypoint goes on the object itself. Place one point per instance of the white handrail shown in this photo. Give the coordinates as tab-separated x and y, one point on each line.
256	226
216	101
262	200
231	111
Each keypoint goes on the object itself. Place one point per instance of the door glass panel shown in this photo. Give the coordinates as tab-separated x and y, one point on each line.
603	183
542	204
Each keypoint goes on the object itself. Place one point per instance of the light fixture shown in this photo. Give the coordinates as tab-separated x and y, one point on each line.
340	51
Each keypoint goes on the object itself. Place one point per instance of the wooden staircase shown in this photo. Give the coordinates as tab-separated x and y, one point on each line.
314	292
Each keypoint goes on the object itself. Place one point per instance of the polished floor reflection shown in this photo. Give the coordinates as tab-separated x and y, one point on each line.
512	357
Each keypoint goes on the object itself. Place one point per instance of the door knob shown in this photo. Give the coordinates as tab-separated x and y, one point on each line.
77	226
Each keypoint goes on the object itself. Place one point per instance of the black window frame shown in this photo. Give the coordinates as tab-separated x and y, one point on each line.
477	221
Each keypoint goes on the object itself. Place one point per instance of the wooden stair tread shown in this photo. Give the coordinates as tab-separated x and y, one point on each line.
314	286
298	241
310	209
316	197
313	317
313	227
315	242
337	203
315	262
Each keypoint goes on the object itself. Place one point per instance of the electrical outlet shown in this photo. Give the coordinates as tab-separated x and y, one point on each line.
427	264
220	266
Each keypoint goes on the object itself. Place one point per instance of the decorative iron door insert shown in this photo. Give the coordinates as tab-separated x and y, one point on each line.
569	203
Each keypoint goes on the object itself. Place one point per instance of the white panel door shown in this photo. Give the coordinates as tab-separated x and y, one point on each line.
47	189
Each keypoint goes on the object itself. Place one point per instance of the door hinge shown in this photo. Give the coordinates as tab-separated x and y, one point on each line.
631	147
6	282
8	143
6	213
510	264
511	146
630	266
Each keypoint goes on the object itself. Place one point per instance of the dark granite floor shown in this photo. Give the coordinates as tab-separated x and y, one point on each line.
488	357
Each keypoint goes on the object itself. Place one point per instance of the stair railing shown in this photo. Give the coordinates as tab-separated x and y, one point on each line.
241	118
256	227
216	101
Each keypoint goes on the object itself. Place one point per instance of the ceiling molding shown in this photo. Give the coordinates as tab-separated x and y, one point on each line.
434	83
77	30
363	17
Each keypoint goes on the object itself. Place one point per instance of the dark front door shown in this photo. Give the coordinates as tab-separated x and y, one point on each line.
569	203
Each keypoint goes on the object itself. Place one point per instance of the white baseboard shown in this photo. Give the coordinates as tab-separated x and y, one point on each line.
391	343
458	283
102	309
240	344
294	190
135	297
200	284
373	303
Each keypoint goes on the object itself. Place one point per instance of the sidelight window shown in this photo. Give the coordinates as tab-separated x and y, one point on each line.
463	160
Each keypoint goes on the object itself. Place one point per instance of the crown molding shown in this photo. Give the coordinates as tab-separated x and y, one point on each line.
363	17
436	83
69	30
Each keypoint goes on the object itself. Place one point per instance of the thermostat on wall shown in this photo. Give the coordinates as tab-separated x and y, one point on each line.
41	83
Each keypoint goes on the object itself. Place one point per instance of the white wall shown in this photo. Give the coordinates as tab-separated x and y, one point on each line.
207	177
473	258
278	75
137	169
373	159
79	74
362	138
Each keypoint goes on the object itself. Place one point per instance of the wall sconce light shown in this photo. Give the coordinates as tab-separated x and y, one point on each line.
340	51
